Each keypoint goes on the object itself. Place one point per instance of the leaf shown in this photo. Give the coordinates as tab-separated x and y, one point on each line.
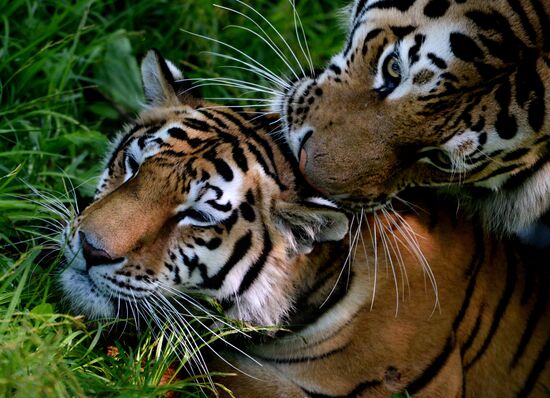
43	309
92	138
117	75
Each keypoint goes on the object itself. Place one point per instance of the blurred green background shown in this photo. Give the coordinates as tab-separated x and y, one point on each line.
69	79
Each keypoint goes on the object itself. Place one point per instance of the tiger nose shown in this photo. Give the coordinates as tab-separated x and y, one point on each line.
93	255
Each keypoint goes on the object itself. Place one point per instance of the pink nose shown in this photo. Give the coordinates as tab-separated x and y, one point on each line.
92	254
302	160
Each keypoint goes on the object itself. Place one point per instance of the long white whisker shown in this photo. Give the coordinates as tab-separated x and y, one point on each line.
266	39
407	231
278	34
299	37
397	251
222	339
174	319
262	71
374	242
347	262
259	66
389	260
241	83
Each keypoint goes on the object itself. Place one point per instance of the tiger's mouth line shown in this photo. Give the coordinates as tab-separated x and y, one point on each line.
114	294
358	204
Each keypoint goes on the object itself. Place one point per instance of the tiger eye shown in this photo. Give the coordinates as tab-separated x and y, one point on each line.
393	69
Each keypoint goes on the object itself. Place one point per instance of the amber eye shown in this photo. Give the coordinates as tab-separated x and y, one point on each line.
392	68
391	72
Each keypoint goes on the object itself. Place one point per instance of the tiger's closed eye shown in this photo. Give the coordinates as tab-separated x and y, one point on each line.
194	217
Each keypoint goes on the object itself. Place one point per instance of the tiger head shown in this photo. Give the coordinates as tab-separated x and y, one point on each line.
431	93
194	198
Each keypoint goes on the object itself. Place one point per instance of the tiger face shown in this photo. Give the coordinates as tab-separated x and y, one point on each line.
197	199
431	93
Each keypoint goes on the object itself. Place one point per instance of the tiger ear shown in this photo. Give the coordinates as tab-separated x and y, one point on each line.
160	79
314	220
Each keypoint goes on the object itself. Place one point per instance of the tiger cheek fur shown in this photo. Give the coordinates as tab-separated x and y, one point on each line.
432	93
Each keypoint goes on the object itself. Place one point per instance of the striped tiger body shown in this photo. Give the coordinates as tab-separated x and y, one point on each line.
437	93
197	198
489	337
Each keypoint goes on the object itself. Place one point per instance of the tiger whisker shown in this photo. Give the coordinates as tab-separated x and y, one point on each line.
394	244
180	330
256	68
239	99
410	236
365	253
389	259
265	37
175	319
218	336
188	299
184	356
278	34
136	318
374	242
240	84
355	245
347	262
230	85
397	242
52	201
298	23
414	207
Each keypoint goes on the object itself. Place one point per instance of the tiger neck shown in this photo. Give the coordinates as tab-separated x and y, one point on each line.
325	282
333	293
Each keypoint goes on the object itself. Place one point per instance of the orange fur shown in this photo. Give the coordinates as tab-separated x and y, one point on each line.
483	284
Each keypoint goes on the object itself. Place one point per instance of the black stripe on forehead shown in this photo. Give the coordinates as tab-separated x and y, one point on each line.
213	117
180	134
402	31
363	6
401	5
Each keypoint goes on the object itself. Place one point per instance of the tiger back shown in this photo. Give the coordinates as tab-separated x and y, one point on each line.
199	198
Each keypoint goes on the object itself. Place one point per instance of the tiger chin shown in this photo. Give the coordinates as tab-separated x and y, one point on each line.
453	95
200	198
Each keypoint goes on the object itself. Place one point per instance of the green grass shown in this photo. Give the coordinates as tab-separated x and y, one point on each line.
69	79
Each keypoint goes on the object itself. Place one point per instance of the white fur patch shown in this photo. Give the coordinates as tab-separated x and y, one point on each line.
516	211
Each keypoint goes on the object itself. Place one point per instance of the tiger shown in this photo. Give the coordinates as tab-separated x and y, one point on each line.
200	198
448	94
